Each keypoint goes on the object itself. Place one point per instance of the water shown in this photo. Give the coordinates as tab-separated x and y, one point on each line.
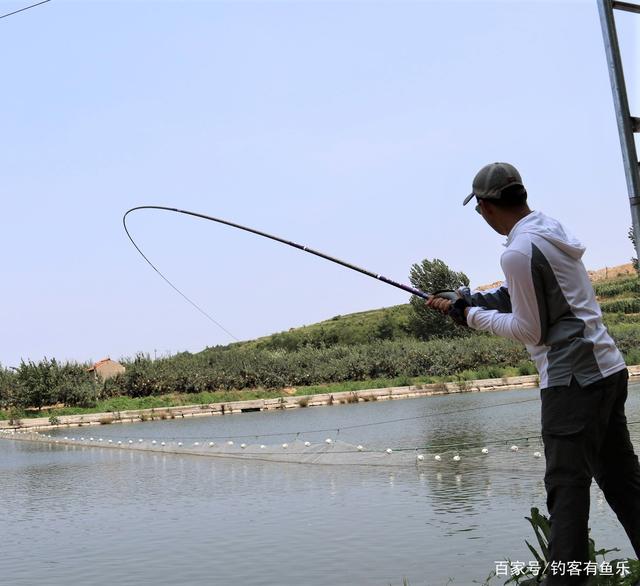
98	516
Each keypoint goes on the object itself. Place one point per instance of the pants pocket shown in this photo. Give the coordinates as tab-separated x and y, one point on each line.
567	410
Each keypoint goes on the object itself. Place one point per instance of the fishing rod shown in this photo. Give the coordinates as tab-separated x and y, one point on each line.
451	295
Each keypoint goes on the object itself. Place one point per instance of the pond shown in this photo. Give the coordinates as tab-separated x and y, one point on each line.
117	516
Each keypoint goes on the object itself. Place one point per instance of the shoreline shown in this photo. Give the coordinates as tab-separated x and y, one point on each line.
288	402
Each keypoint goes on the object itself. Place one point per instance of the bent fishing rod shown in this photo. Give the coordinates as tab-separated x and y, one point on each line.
451	295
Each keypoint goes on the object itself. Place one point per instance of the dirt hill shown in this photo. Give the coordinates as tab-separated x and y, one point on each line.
611	272
595	276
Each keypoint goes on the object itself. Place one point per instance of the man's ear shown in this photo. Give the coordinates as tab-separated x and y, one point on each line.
488	207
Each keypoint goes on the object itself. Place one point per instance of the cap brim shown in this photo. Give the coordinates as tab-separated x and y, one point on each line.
468	199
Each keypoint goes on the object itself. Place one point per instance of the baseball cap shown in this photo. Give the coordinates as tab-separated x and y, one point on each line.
491	180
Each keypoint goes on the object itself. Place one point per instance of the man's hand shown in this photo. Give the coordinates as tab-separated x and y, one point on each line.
456	310
439	304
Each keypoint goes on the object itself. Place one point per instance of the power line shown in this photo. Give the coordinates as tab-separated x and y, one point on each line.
23	9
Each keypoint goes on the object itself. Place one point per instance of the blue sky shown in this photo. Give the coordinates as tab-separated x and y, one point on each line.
353	127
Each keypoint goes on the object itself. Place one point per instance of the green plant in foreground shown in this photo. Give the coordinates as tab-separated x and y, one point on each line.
542	531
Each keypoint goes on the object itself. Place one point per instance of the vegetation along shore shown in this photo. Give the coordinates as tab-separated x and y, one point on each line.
346	356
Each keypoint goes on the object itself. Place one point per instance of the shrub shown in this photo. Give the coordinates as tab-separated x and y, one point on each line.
15	416
627	305
240	367
617	287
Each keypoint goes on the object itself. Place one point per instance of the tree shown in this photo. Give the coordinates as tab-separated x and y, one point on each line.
7	387
38	382
430	276
634	260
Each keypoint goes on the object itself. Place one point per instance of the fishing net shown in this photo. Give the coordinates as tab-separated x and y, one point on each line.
500	453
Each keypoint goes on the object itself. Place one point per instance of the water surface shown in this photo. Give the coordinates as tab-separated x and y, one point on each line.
98	516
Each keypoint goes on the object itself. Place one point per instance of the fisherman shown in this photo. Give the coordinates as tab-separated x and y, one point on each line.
547	303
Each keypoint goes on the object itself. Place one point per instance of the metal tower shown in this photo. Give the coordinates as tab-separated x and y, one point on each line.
627	124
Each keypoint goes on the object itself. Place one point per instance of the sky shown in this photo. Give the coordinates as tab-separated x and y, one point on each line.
352	127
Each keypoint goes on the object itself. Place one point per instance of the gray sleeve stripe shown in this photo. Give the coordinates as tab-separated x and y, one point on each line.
498	299
570	352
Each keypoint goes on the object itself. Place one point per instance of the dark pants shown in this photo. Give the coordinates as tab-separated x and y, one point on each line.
585	436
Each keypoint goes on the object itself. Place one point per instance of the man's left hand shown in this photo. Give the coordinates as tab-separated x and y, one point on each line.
457	310
439	304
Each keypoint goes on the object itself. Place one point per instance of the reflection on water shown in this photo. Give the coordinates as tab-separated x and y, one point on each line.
119	516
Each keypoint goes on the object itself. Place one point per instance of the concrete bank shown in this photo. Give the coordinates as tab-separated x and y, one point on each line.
286	402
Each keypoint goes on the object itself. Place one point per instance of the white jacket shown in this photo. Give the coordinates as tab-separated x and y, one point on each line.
547	302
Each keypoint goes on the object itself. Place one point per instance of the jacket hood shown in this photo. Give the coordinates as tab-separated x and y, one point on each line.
549	229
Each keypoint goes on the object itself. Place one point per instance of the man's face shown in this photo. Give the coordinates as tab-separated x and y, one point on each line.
491	214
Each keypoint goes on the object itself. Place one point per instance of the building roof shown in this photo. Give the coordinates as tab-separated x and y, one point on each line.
105	362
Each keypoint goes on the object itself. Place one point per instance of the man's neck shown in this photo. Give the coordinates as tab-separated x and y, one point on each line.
510	220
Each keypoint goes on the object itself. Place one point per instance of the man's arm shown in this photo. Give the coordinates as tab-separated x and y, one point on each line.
523	324
498	299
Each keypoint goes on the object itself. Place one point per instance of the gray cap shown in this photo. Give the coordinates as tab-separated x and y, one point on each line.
492	179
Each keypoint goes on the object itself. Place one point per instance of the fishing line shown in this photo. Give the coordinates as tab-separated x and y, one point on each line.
302	247
188	299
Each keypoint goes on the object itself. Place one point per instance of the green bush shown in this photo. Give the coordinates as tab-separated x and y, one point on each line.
617	287
626	305
632	356
8	387
526	368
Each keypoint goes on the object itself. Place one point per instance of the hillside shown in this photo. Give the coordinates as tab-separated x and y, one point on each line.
355	328
617	289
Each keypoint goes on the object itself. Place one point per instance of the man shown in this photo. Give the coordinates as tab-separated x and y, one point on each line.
547	302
